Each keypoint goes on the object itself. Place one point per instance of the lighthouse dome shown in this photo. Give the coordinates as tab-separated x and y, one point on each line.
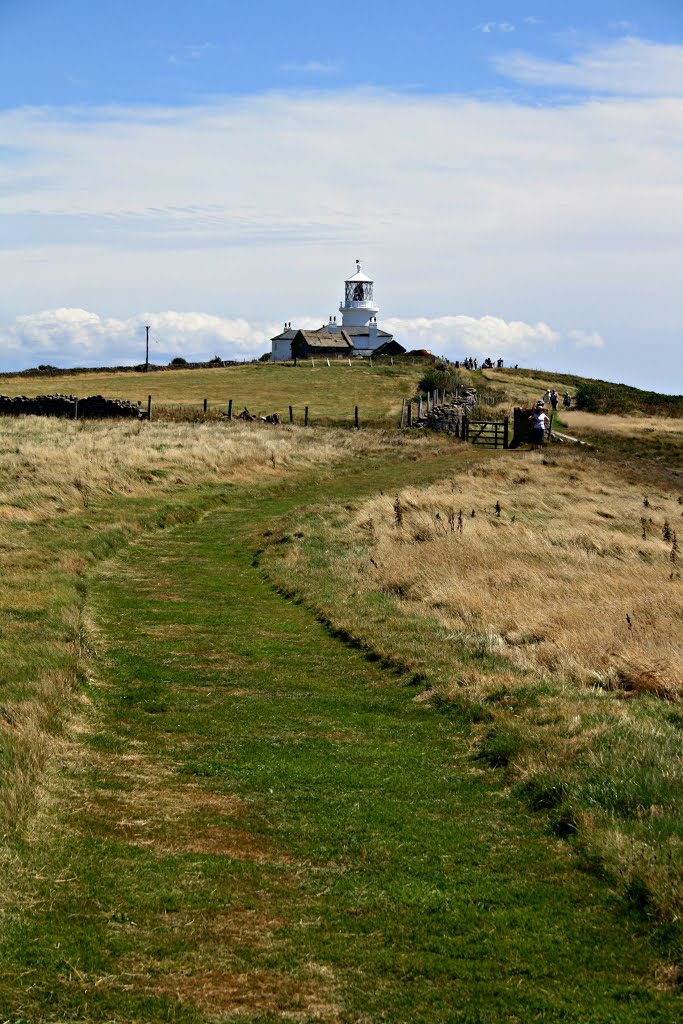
359	276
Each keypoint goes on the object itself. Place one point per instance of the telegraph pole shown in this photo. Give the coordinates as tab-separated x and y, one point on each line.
146	349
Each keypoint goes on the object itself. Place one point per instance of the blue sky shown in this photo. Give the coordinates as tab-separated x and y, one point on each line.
510	174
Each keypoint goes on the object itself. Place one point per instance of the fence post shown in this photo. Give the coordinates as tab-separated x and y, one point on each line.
419	407
149	408
291	415
355	417
230	409
206	405
465	427
403	411
410	414
76	409
306	416
506	431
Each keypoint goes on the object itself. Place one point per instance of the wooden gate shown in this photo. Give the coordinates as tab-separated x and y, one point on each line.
487	433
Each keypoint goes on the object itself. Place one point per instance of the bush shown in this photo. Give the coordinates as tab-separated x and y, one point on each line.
179	361
265	357
435	378
602	396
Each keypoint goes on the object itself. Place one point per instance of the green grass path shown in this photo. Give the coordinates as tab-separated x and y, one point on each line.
262	825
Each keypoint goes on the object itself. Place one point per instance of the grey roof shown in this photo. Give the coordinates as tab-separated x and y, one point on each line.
318	339
355	332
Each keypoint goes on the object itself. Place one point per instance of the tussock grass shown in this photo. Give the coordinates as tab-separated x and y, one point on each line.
550	578
537	596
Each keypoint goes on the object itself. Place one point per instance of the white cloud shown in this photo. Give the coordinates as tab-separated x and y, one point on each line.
587	339
496	26
191	52
248	209
461	336
72	337
622	26
78	337
315	67
628	66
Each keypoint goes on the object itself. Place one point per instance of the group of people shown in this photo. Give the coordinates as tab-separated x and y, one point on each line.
554	399
539	419
488	364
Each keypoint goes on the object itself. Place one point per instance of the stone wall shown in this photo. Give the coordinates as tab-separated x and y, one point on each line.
94	407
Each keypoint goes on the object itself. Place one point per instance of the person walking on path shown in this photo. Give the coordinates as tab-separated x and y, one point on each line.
538	420
554	399
567	400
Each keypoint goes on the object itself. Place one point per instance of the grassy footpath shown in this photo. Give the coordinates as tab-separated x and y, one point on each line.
493	609
256	822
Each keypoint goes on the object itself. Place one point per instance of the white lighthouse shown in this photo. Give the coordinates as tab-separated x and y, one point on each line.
359	324
358	308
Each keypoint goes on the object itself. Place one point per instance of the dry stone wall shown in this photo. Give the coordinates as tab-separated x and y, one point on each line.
93	407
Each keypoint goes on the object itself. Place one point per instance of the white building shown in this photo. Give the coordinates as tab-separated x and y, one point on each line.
359	321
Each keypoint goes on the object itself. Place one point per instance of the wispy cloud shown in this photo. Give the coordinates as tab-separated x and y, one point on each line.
495	26
315	67
587	339
628	66
628	27
190	53
566	215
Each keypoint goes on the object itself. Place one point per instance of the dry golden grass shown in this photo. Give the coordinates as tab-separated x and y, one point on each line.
574	577
636	425
50	467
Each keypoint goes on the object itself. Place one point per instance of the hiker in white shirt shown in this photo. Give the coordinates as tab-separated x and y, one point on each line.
539	421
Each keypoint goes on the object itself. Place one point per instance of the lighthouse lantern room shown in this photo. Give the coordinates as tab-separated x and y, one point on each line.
358	308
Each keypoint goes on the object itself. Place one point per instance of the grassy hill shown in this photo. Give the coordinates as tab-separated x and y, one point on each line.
331	392
217	803
522	387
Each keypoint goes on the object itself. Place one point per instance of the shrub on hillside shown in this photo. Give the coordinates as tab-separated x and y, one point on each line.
179	361
602	397
437	377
